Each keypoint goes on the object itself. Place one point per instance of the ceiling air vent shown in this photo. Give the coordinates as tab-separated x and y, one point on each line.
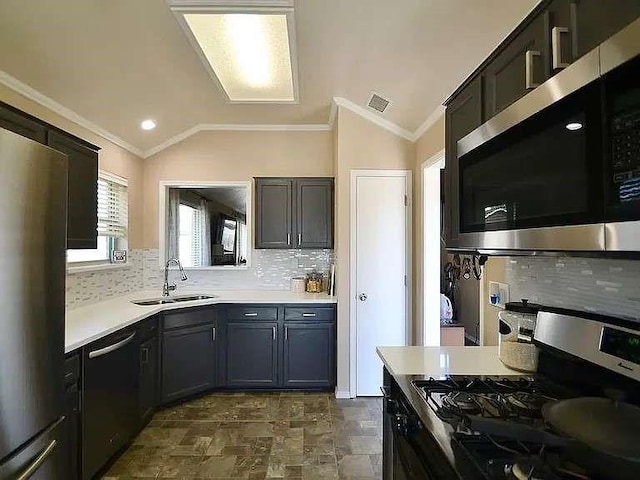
378	103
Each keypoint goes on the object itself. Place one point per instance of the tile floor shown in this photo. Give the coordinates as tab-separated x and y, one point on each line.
256	436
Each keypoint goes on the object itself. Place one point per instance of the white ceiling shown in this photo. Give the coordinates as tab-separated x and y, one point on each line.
232	197
117	62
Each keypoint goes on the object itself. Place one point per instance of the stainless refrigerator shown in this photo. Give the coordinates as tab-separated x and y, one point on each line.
33	213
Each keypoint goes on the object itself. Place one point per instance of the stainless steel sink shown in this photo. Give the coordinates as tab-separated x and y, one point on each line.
176	299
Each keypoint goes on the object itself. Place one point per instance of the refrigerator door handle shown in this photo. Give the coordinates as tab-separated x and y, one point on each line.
111	348
39	460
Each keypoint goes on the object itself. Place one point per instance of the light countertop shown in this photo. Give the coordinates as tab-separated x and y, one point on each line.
92	322
439	361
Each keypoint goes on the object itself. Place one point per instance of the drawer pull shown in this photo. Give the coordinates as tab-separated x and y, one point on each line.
251	314
308	314
556	42
529	71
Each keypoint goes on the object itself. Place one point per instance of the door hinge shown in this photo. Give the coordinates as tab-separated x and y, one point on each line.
406	201
405	280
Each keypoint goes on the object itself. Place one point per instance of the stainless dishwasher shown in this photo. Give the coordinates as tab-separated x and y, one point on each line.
110	398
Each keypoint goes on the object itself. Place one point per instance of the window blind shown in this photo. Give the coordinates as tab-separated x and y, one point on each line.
112	208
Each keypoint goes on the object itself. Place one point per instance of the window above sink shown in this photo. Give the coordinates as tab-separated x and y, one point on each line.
206	225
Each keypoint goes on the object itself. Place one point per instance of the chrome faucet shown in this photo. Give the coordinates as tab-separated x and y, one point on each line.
166	288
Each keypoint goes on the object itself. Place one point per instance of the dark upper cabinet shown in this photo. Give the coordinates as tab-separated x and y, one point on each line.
516	69
20	123
593	21
274	205
294	213
314	213
575	27
252	354
148	378
309	355
188	361
82	220
463	115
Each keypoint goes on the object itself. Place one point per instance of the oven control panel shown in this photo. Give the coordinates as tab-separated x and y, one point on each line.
621	344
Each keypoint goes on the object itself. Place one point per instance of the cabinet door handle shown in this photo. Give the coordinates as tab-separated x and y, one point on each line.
145	355
273	329
308	314
111	348
286	333
38	461
288	239
529	73
556	47
213	334
254	314
299	239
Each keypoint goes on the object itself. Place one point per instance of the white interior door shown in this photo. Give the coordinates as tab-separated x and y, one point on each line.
381	263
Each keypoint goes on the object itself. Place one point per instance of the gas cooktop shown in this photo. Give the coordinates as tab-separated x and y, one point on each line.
498	425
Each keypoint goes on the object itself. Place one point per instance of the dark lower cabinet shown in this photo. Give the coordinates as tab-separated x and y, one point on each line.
72	412
252	354
110	416
148	379
188	361
309	355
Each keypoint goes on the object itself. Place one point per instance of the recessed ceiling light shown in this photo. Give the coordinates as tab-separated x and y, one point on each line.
247	46
574	126
148	124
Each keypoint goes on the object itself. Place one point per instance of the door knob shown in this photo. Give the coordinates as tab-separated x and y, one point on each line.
363	297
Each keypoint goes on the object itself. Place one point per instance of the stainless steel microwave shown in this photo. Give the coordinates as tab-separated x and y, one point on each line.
558	170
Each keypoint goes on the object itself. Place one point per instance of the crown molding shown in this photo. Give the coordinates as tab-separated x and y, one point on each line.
428	123
215	127
38	97
373	118
332	114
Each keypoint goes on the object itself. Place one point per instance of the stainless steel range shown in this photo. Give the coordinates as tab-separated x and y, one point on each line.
577	418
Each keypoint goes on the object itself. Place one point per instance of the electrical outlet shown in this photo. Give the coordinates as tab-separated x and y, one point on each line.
498	294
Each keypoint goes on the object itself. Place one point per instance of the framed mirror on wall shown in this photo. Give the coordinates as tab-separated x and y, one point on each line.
206	225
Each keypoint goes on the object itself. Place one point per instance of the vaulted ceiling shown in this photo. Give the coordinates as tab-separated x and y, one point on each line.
117	62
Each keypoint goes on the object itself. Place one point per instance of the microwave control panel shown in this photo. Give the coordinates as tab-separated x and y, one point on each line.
625	139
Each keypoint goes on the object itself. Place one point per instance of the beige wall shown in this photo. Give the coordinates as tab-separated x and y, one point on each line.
112	158
494	271
359	145
234	156
428	145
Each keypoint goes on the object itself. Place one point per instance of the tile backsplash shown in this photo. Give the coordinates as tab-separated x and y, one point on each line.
599	285
270	270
